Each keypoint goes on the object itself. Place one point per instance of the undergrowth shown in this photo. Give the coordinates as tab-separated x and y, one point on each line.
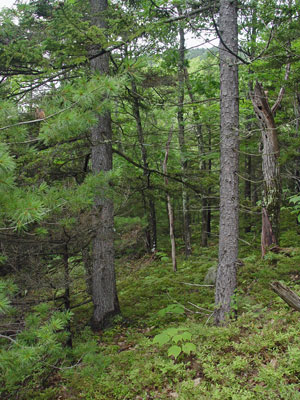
257	356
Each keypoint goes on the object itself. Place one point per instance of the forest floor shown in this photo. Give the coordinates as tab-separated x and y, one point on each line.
165	347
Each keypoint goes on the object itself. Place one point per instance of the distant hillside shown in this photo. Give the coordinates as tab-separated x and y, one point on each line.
202	53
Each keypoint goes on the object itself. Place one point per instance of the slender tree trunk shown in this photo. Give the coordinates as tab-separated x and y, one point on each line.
104	292
88	266
202	164
149	204
248	185
169	205
209	216
67	290
182	146
229	191
297	126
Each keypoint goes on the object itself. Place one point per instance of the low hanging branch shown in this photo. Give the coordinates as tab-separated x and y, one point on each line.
154	171
287	295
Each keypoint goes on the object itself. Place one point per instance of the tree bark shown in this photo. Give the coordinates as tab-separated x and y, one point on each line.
229	193
270	164
290	297
169	205
104	292
67	300
182	146
297	126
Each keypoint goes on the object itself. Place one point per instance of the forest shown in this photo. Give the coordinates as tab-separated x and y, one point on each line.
150	200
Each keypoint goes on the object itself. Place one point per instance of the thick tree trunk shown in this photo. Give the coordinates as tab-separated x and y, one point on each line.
104	292
270	164
182	146
229	193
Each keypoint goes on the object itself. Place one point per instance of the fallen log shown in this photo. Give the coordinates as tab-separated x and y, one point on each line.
287	295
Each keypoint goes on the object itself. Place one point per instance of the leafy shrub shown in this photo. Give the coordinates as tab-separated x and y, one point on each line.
178	340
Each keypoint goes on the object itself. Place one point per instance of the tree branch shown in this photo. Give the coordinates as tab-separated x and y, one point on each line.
155	171
282	90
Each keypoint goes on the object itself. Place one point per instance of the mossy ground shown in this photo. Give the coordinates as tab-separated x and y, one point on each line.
257	356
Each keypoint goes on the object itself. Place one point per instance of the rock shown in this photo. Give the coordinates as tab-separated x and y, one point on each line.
211	276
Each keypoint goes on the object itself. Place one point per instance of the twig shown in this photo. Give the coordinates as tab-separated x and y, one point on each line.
196	284
188	309
209	318
199	308
9	338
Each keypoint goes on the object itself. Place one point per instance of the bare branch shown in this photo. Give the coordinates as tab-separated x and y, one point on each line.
282	90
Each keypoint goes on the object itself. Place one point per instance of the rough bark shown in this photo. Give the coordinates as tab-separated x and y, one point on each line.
169	205
182	145
267	235
270	154
229	194
104	293
290	297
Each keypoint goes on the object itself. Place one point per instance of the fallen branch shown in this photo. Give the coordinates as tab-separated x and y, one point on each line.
287	295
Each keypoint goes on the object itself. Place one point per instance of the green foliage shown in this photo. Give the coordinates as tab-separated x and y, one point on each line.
35	352
295	200
47	193
180	336
172	308
7	290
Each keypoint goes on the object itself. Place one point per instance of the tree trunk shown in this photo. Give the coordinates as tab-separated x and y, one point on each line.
297	126
88	266
182	146
149	205
229	191
169	205
290	297
202	164
270	165
248	184
104	293
67	291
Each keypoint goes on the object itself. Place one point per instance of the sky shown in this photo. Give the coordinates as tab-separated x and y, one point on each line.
6	3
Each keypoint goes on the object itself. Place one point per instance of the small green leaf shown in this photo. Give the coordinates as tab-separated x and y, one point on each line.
177	338
187	348
186	336
172	308
174	351
171	331
161	339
